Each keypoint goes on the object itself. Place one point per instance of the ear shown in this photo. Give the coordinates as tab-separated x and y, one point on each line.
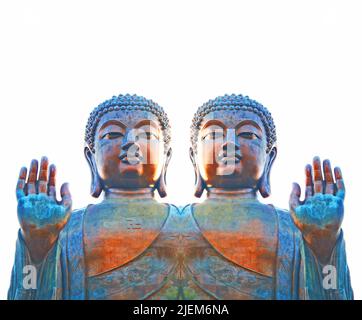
199	182
161	183
96	185
264	182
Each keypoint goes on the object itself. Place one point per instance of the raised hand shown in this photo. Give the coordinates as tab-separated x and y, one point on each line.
40	214
319	216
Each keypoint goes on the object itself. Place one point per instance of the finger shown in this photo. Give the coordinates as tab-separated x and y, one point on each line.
66	196
33	172
20	191
328	177
43	175
308	182
294	200
341	191
318	177
52	181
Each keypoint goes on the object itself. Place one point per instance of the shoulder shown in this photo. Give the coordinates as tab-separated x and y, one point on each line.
173	221
75	222
77	215
186	210
285	222
77	212
187	217
180	218
281	213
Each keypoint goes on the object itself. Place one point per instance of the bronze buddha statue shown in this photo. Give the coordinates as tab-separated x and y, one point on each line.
121	248
239	248
230	246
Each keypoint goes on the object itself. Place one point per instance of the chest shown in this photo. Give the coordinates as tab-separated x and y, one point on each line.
246	236
114	236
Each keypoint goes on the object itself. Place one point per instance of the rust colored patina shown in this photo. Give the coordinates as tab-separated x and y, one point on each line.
120	248
240	248
230	246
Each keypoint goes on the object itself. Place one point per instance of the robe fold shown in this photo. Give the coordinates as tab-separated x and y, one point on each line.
207	275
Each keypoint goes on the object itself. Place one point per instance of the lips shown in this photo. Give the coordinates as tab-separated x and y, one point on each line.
131	159
229	159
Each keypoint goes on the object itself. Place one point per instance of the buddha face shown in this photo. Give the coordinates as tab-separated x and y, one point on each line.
231	150
129	150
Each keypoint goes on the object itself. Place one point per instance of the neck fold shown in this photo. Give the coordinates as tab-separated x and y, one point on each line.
220	193
141	193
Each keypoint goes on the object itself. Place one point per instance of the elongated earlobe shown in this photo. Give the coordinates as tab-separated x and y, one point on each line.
96	185
199	186
264	183
199	182
160	185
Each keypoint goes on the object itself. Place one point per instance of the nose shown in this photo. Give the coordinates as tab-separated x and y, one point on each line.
130	141
230	145
126	146
230	142
129	148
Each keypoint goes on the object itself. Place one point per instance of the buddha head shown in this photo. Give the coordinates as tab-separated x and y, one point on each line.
127	145
233	145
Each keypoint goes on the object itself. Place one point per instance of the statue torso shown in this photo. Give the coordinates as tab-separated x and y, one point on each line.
115	232
244	232
214	250
130	250
230	249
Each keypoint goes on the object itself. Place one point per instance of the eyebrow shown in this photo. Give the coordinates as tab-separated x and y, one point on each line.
248	122
147	122
212	122
112	122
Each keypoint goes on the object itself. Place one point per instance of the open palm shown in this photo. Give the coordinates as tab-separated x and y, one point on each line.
319	216
40	214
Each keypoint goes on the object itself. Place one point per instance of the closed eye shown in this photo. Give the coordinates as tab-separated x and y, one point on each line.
148	136
112	135
213	135
248	135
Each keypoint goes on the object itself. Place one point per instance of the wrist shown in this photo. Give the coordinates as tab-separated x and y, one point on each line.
38	243
322	243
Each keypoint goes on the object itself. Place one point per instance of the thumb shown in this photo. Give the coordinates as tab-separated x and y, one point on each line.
66	196
294	200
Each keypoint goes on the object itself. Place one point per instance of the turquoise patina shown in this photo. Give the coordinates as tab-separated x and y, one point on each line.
230	246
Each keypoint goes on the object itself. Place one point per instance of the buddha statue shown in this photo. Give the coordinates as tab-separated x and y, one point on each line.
230	246
236	247
120	248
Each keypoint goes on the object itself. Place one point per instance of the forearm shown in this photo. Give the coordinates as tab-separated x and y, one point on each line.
27	279
328	280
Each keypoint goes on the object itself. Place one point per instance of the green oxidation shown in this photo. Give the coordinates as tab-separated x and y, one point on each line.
190	294
171	293
40	210
293	256
227	215
116	215
321	209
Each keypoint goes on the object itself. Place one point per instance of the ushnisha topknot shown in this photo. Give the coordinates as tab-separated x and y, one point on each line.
126	102
234	102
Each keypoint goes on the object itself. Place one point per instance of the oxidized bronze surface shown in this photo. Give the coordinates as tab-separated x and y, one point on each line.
230	246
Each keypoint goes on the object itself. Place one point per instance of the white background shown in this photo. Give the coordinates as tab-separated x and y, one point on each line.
301	59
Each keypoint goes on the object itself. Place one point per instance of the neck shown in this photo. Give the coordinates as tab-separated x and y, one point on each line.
220	193
140	193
